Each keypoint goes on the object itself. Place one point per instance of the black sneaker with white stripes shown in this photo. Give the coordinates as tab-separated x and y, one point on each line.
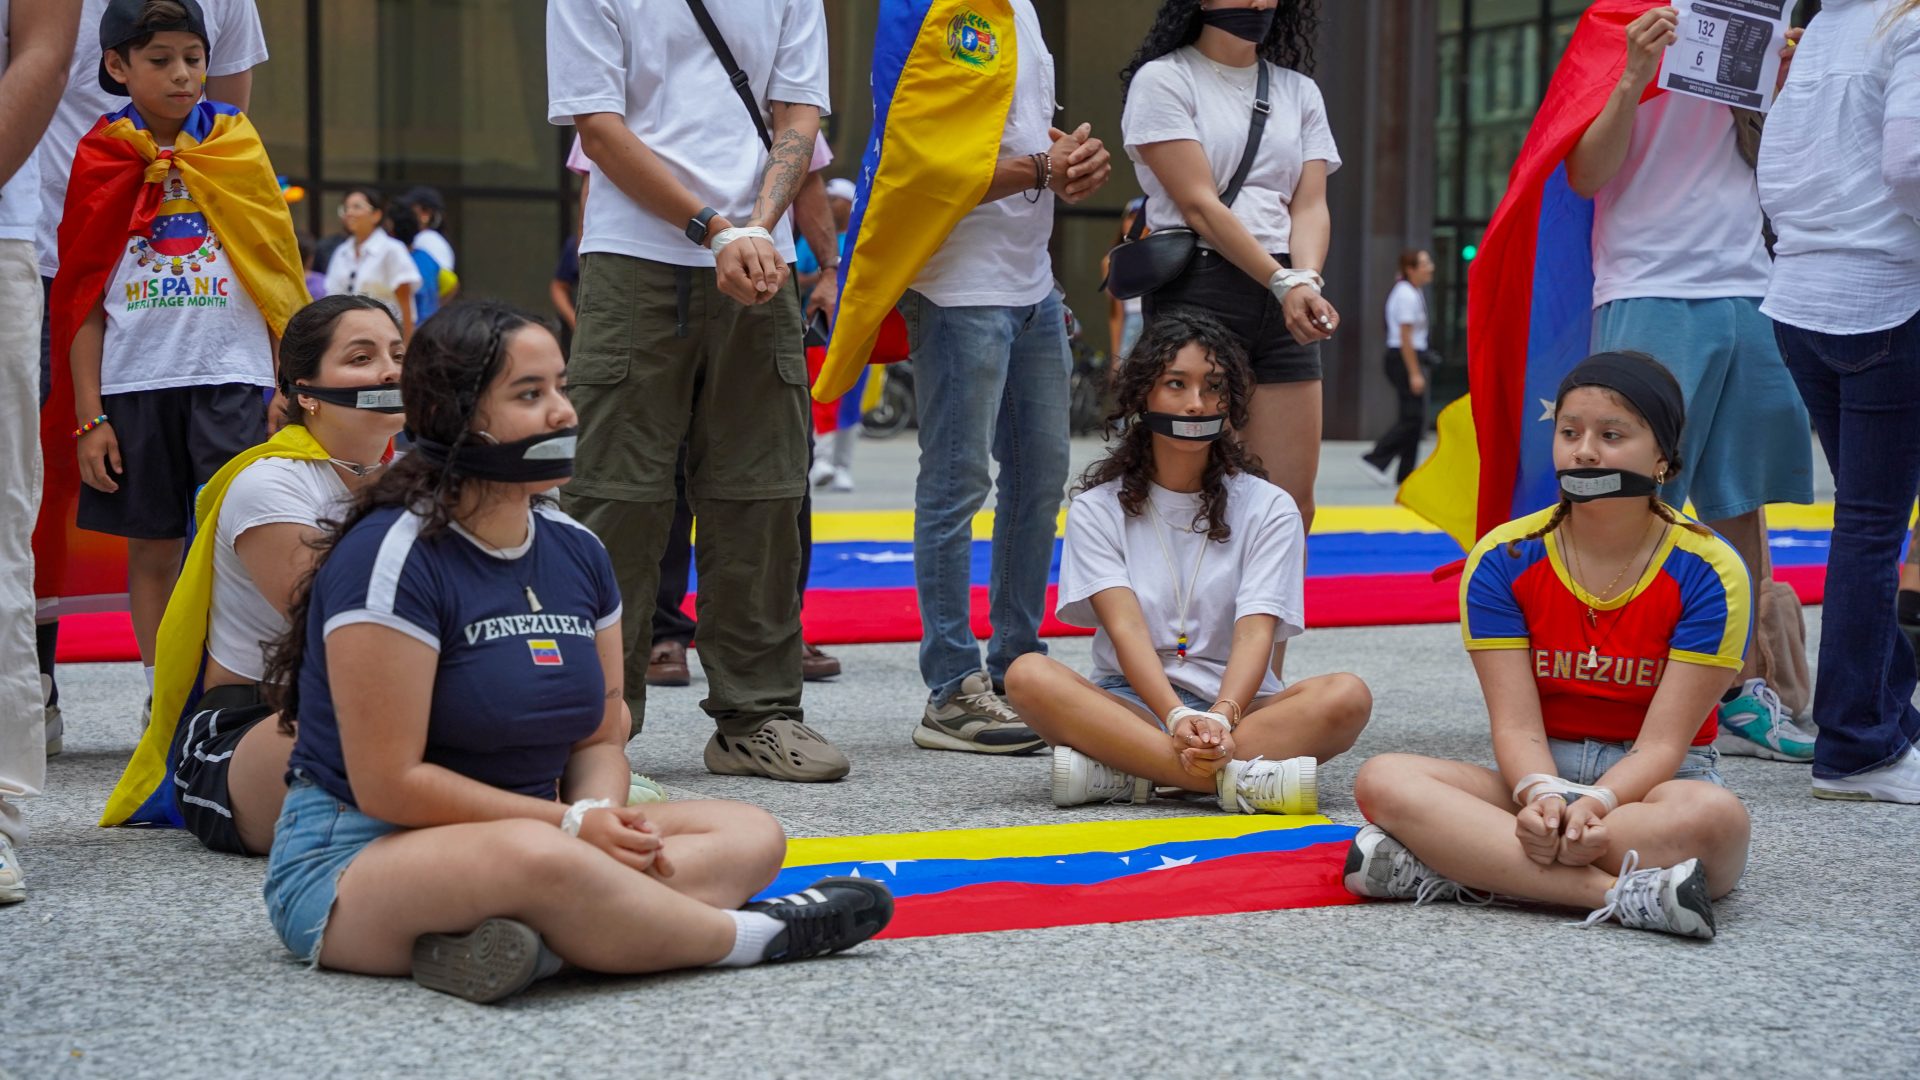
831	916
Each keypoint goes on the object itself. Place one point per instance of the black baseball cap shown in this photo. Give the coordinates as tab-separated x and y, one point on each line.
121	24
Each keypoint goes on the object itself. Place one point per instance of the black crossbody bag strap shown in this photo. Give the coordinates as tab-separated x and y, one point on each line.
1256	130
741	83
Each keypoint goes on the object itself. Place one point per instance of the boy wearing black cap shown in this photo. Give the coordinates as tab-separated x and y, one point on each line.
1603	630
168	301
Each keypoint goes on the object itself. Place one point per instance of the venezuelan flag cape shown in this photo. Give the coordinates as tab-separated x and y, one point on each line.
970	881
943	74
144	795
1529	304
116	191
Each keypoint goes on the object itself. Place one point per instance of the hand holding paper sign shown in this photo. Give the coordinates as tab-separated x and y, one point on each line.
1647	40
1727	51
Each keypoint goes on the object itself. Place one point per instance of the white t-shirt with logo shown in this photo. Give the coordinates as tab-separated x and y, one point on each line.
1183	96
235	44
177	314
649	63
1259	570
1681	219
240	621
374	267
19	199
1405	305
997	255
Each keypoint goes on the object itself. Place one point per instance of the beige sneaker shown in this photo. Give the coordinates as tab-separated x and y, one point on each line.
976	721
13	883
1261	786
782	749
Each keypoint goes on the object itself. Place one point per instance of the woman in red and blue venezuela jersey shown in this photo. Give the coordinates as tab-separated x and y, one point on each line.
1603	630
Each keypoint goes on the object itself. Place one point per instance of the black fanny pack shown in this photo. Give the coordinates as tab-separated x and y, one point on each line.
1140	264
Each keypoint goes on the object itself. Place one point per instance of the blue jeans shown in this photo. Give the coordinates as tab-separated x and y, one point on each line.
989	381
1863	392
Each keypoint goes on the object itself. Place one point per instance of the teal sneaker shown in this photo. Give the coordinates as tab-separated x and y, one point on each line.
644	789
1755	724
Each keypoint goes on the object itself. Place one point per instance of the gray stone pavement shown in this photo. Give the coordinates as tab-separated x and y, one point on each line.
140	954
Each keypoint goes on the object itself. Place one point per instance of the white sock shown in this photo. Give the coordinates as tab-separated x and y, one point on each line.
752	932
149	672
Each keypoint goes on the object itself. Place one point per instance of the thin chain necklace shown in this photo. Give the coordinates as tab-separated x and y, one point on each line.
522	575
1181	600
1591	660
1220	70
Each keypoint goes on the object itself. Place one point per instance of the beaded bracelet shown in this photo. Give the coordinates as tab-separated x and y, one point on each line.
89	425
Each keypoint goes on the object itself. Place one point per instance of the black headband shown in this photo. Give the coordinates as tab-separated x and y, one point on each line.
1638	378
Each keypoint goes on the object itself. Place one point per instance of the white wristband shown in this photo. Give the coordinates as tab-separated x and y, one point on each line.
1536	786
1181	712
728	236
578	812
1285	281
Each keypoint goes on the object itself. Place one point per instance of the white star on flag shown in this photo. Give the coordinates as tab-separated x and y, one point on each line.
1546	409
1166	863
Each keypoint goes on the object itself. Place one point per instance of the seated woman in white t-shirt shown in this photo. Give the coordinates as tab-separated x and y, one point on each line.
339	378
1188	562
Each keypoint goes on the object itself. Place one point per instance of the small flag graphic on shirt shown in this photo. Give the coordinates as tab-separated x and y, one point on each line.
546	652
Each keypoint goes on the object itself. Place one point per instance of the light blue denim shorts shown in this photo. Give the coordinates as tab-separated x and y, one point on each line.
315	839
1587	761
1118	686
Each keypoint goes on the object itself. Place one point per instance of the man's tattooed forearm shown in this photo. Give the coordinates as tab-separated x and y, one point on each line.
786	166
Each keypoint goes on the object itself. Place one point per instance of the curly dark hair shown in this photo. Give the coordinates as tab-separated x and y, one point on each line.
1288	44
1131	460
451	361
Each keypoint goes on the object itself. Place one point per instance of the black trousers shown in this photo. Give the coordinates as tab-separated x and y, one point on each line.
670	622
1402	440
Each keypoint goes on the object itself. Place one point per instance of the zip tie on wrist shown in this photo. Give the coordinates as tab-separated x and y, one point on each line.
89	425
1528	791
1285	281
728	236
577	813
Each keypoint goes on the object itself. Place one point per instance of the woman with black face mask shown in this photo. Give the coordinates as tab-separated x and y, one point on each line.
1186	561
1603	630
458	787
1192	100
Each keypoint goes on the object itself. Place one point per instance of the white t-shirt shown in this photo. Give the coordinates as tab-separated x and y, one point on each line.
1681	219
19	199
271	491
647	61
997	255
436	247
374	268
235	44
1405	305
177	315
1184	96
1258	571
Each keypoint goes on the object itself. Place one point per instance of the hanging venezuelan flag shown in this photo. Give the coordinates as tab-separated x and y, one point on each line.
972	881
943	73
1529	304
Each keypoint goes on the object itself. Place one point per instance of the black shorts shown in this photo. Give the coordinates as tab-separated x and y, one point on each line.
1224	291
203	749
171	442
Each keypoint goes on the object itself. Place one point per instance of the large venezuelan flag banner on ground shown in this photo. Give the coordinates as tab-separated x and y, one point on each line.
975	880
1529	304
943	73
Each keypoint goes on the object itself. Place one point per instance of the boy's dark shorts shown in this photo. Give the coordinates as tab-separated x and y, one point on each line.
171	442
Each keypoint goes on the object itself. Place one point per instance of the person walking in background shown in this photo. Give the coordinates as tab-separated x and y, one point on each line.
36	43
429	211
1839	175
1407	363
371	262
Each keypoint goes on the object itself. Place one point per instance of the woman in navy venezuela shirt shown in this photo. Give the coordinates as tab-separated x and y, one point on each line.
1604	631
457	790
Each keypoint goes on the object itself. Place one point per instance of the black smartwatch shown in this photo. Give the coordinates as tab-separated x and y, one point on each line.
697	228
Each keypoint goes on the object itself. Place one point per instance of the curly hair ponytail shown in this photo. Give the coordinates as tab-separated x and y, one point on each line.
1288	44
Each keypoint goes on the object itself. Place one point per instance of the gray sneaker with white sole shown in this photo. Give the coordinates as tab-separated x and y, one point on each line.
976	721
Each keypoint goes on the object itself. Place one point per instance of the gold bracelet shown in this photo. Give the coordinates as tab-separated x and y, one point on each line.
1233	721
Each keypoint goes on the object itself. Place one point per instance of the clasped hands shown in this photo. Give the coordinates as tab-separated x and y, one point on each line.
625	833
1204	740
1551	831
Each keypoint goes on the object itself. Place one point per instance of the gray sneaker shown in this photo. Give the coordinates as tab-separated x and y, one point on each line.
498	959
782	749
13	881
1380	867
976	721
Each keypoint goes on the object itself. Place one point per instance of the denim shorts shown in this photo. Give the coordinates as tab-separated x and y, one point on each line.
1586	762
1118	686
317	836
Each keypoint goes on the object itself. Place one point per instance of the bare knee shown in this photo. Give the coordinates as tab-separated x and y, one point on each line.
1029	679
1381	787
153	556
756	841
1714	816
547	860
1348	704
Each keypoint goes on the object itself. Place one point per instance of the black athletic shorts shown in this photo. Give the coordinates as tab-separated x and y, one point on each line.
171	442
1223	290
203	747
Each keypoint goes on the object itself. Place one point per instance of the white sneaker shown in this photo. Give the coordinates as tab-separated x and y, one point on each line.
56	725
842	481
1380	476
1079	780
1670	899
1269	787
13	883
1897	783
644	789
821	472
